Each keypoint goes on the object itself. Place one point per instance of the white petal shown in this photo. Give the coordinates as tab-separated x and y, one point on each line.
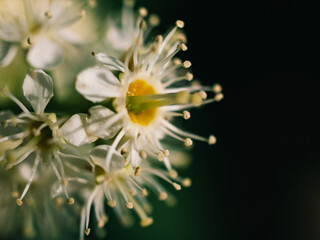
38	89
99	116
99	154
45	53
74	130
97	84
7	53
110	63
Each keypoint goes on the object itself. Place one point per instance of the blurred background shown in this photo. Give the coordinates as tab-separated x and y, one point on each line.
261	180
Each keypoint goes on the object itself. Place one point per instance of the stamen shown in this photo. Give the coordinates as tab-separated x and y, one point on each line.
144	192
154	20
180	23
143	12
137	171
212	140
163	196
14	99
186	64
188	142
186	182
143	154
186	115
217	88
33	171
112	148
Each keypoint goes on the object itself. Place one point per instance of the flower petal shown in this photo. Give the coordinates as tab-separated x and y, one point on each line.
7	53
74	130
99	153
38	89
97	84
110	63
104	118
45	53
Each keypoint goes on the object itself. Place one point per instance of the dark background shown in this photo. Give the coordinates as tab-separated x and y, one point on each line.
262	178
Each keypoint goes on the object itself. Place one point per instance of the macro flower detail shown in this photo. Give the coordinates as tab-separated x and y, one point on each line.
37	132
144	97
124	189
42	27
94	135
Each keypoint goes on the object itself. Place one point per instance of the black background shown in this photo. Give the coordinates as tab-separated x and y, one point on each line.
262	178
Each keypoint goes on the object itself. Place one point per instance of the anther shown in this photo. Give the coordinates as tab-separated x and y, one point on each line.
87	231
176	186
203	94
186	182
93	53
19	202
59	201
143	154
112	203
217	88
163	196
189	76
146	222
183	47
143	12
186	115
173	173
188	142
219	97
64	182
137	171
70	201
129	205
180	23
161	156
177	61
144	192
15	194
133	192
212	140
166	152
154	20
30	41
186	64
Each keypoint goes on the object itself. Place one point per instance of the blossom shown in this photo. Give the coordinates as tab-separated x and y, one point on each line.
41	26
38	132
145	97
124	189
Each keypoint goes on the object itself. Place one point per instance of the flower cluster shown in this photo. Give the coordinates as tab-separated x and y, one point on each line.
116	149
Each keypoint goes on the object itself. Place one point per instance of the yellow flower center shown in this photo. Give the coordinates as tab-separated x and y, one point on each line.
140	115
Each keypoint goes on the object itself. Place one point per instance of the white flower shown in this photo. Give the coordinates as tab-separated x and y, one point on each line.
43	26
124	189
122	28
38	132
145	98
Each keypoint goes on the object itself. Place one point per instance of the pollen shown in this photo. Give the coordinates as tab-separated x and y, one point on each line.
143	117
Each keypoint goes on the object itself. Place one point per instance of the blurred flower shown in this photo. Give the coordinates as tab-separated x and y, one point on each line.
43	27
124	189
123	28
37	131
